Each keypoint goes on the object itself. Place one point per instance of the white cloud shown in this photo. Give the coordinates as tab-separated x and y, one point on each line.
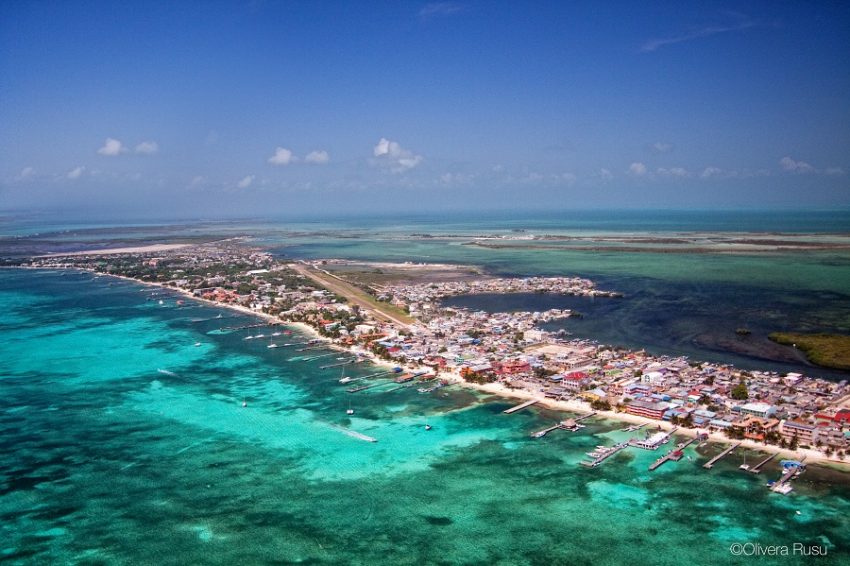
398	158
742	23
637	169
112	147
25	173
282	156
319	157
245	182
834	171
76	172
440	9
793	166
147	147
661	147
673	172
711	172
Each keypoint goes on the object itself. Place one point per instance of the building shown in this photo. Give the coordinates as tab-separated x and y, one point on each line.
803	432
761	410
648	409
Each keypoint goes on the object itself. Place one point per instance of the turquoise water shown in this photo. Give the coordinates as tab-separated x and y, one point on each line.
123	443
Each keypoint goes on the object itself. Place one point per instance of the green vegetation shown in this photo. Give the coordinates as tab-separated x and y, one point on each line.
826	350
739	392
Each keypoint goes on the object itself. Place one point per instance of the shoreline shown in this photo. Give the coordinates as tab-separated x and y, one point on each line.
575	406
497	389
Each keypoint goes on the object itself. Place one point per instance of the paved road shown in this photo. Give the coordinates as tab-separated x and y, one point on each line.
350	292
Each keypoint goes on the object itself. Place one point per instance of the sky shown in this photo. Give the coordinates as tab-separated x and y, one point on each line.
199	109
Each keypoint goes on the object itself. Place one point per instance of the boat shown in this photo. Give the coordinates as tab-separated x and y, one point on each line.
272	345
244	403
197	344
428	427
161	302
350	411
798	512
342	377
219	315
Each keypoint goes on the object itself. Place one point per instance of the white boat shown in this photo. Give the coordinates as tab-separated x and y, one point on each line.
345	379
427	427
272	345
197	344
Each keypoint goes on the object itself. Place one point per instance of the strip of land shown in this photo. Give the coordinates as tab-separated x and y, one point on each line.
353	294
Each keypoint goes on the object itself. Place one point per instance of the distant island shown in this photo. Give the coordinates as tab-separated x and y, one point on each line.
827	350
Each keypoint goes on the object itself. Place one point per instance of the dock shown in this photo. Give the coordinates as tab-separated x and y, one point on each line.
338	364
675	454
710	464
757	468
521	406
570	425
246	326
604	455
545	431
363	387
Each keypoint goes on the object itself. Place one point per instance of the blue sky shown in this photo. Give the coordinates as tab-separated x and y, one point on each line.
228	108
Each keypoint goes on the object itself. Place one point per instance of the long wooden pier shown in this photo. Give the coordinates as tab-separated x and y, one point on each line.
710	464
342	363
604	455
521	406
675	454
757	468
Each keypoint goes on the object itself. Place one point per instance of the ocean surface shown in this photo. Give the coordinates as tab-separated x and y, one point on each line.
121	442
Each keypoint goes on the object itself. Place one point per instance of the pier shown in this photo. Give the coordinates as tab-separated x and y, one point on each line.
342	363
521	406
757	468
654	441
710	464
246	326
602	455
569	424
675	454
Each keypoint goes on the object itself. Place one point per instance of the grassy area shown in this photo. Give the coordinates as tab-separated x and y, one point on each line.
827	350
355	294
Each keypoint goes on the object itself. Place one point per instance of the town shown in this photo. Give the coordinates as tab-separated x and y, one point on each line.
509	350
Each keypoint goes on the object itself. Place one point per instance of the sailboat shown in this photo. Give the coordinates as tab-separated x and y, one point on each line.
744	466
350	411
342	377
428	427
271	344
